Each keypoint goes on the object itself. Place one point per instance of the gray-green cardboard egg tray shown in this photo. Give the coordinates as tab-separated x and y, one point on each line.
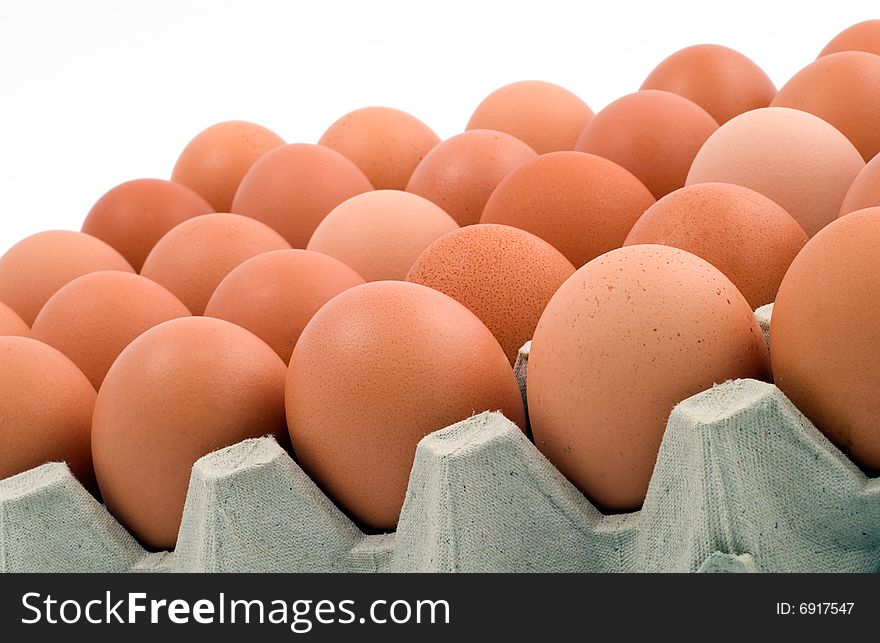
743	483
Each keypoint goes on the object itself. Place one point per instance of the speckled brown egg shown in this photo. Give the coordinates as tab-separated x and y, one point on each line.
865	189
133	216
626	338
653	134
823	334
797	159
11	323
720	80
215	161
193	258
460	173
293	187
864	36
504	275
386	144
378	368
581	204
36	267
181	390
46	412
275	294
748	237
380	234
95	316
843	89
547	117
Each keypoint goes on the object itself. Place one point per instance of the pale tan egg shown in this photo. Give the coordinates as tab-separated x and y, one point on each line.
796	159
381	233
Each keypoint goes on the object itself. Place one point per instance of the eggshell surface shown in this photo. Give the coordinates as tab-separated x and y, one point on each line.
843	89
181	390
865	189
748	237
545	116
94	317
36	267
386	144
376	369
11	323
794	158
864	36
293	187
192	259
581	204
460	173
133	216
626	338
823	334
215	161
381	233
275	294
653	134
46	412
720	80
504	275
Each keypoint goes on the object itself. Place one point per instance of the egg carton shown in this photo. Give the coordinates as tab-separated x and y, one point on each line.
743	483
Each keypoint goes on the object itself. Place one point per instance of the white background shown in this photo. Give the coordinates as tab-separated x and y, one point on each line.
94	93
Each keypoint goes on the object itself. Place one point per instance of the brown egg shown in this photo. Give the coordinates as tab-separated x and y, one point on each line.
504	275
719	79
630	335
46	412
843	89
133	216
377	369
865	189
380	234
11	323
547	117
386	144
292	188
36	267
790	156
864	36
215	161
275	294
744	234
823	334
181	390
460	173
581	204
193	258
653	134
95	316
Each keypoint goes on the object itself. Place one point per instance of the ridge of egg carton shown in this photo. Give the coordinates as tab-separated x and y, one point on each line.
743	482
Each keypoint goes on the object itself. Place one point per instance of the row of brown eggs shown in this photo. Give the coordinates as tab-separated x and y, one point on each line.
395	276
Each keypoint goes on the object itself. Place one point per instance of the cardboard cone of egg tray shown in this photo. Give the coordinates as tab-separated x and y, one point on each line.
743	483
